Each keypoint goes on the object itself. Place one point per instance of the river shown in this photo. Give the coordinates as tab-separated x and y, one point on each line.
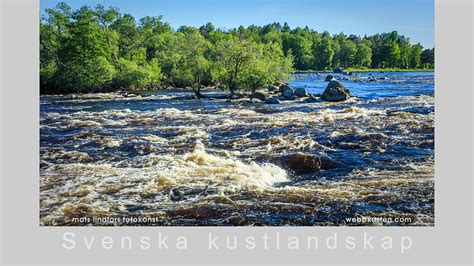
213	162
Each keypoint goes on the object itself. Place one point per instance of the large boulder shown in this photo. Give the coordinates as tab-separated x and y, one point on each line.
299	163
335	92
283	87
301	92
272	101
329	78
258	95
288	93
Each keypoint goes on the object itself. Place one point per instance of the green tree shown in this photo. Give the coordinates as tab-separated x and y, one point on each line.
232	57
190	64
84	54
323	54
299	42
391	54
53	32
106	18
207	29
95	49
268	66
363	56
428	58
127	29
414	58
347	53
244	64
135	76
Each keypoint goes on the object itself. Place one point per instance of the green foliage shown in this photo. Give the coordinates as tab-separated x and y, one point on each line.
97	49
323	54
363	56
427	58
92	74
134	76
267	66
393	57
405	48
347	53
184	58
300	45
414	58
243	64
233	56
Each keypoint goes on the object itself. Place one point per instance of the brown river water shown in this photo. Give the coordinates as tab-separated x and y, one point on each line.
167	161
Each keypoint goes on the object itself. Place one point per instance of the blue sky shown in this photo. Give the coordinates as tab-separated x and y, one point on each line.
412	18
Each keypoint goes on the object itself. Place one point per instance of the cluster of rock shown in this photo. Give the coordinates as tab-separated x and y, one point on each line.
371	78
334	92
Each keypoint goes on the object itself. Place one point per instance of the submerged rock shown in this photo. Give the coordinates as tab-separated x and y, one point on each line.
258	95
311	99
336	92
128	95
197	212
255	100
301	92
237	220
272	101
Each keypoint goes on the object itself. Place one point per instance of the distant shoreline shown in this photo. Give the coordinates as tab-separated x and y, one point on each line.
142	91
363	70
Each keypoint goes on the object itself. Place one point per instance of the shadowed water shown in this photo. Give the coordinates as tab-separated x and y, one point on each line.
211	162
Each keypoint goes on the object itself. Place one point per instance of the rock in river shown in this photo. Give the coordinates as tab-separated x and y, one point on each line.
338	70
272	101
336	92
301	92
299	163
258	95
288	93
311	99
273	88
283	87
329	78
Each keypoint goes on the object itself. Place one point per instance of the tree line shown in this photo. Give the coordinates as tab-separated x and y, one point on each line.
100	49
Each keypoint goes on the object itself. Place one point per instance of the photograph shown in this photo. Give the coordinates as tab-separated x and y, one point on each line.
303	113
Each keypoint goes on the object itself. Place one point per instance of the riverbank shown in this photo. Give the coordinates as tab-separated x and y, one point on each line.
243	92
388	70
365	70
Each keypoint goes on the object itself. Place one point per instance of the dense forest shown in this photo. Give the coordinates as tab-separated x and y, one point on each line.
100	49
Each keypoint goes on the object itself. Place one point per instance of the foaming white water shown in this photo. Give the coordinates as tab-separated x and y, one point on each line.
210	159
235	173
85	189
